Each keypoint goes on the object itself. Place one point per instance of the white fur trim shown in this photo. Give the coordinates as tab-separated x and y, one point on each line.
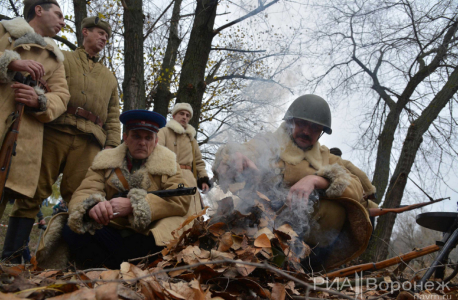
178	128
54	254
77	222
17	27
182	106
141	216
8	56
338	177
161	162
42	100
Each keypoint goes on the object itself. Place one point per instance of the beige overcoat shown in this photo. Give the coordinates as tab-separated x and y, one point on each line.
19	41
151	214
278	154
94	90
178	139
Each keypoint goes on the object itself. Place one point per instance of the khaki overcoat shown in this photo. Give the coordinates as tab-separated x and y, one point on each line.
19	41
276	153
151	214
178	139
95	90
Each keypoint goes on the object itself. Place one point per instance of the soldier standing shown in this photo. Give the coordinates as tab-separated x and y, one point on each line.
90	123
179	136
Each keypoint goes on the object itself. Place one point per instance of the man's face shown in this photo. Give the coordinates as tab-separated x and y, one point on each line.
95	39
305	134
140	143
52	20
182	117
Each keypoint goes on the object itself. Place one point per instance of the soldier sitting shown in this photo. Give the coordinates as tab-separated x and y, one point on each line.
104	229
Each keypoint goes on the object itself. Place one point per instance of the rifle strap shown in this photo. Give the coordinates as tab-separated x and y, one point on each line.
194	169
121	178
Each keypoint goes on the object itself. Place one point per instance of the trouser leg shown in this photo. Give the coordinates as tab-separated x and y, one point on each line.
16	238
82	152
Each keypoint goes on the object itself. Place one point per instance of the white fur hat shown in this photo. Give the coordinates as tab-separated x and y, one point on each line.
182	106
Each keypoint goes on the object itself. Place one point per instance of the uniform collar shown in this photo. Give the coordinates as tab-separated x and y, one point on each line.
95	59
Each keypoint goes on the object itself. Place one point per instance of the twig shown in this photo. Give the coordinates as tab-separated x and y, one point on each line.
140	258
216	262
237	50
157	20
14	8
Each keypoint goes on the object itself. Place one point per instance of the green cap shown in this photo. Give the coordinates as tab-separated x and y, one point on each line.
30	4
96	22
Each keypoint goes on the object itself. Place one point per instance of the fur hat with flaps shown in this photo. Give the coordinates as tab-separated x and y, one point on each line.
182	106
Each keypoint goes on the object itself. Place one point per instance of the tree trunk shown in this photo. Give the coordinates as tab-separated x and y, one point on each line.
192	81
379	247
79	6
163	95
134	83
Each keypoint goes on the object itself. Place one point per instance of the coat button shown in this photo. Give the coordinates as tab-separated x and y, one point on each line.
82	92
84	74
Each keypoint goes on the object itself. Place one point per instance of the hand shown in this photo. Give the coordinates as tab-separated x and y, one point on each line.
205	188
304	187
108	147
35	69
102	212
25	94
236	165
122	206
42	222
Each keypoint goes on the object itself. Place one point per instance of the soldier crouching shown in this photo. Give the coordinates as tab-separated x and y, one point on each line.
105	230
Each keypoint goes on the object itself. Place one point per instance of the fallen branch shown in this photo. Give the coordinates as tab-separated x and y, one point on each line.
141	258
375	212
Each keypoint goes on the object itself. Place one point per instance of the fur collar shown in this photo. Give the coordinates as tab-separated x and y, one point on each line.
19	29
161	162
177	128
318	156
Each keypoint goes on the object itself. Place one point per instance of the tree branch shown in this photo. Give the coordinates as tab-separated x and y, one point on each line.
14	8
238	50
252	13
157	20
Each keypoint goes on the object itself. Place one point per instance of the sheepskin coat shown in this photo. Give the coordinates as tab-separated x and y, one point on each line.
96	90
151	214
18	40
178	139
275	153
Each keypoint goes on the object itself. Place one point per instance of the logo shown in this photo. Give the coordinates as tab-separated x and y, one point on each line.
360	284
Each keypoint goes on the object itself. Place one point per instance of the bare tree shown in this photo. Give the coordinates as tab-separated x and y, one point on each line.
403	55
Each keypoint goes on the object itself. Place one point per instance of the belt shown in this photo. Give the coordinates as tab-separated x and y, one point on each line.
185	167
85	114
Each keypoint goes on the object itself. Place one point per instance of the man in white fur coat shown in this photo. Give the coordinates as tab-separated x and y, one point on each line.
105	229
180	137
289	165
27	47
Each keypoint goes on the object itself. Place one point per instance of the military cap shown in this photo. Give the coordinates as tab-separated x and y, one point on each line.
30	4
142	119
96	22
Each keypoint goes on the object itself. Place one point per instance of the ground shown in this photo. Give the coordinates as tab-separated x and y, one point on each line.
34	235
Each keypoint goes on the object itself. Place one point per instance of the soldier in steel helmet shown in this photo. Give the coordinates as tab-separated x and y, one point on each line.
294	161
27	49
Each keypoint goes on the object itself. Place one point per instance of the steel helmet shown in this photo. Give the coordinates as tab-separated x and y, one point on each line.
311	108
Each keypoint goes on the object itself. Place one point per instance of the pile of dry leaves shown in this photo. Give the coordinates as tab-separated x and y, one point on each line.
230	256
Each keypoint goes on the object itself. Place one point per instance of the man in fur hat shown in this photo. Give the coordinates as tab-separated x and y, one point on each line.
292	160
90	123
107	229
26	47
180	137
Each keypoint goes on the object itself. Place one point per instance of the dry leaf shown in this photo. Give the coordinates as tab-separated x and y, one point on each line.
83	294
217	255
107	291
192	255
94	274
265	231
218	229
291	286
244	269
262	196
236	242
125	271
109	275
225	206
278	291
128	294
262	241
189	220
225	242
286	228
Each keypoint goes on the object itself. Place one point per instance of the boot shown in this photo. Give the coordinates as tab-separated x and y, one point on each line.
16	238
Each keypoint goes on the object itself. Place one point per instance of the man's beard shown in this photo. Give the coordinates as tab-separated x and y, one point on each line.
303	136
